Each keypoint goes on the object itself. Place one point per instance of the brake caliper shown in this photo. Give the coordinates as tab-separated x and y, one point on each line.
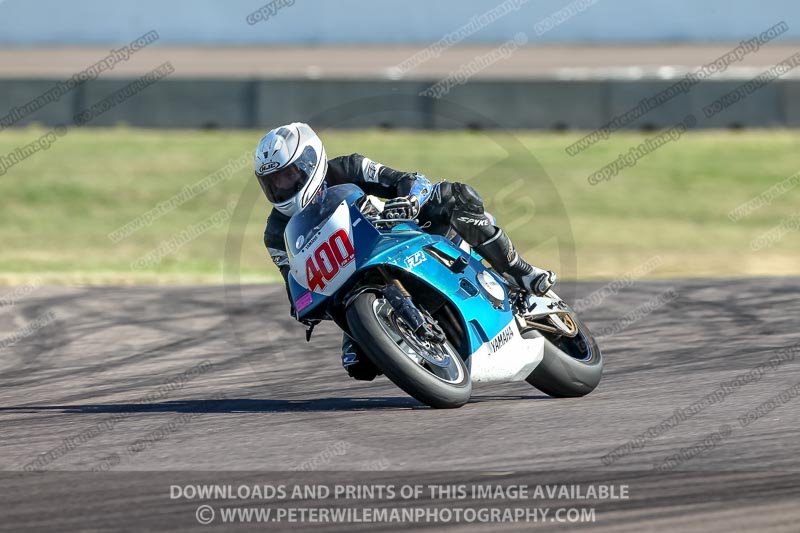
423	326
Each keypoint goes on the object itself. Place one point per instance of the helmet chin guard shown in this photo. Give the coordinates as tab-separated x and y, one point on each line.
290	165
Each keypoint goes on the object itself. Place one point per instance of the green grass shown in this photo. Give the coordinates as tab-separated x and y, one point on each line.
58	207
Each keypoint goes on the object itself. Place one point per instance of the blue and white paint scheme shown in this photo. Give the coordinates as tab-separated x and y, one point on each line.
322	263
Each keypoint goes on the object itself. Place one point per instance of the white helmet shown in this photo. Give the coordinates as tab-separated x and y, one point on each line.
291	166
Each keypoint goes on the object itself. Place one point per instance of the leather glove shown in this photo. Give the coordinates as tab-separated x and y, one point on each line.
402	207
543	282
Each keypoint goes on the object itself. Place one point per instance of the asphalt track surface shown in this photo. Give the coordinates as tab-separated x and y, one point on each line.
250	403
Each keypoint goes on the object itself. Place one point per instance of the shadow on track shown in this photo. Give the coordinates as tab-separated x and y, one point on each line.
241	405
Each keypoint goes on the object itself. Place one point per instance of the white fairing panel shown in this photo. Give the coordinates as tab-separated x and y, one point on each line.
327	259
507	357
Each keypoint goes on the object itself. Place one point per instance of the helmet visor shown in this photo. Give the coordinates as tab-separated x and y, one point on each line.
282	184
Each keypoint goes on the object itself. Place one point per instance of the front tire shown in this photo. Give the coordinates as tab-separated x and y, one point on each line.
571	367
380	334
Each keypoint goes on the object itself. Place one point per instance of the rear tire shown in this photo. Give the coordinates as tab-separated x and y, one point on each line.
386	354
571	367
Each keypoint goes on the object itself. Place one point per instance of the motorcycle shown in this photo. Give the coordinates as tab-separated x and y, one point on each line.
426	311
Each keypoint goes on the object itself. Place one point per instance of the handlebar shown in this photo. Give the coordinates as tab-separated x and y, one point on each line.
375	215
392	220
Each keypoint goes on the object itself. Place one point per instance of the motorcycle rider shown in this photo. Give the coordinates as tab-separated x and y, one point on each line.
292	167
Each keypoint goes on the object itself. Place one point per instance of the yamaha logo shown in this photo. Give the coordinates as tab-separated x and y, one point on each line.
501	339
299	242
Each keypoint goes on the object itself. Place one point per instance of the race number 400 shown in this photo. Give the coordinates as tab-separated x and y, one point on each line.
324	264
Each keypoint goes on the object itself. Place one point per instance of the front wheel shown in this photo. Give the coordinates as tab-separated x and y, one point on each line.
432	373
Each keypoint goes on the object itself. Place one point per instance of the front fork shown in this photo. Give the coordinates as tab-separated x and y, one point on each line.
420	323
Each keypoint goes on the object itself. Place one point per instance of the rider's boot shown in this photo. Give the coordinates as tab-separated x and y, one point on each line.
500	253
358	366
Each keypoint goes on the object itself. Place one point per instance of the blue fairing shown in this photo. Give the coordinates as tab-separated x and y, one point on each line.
406	247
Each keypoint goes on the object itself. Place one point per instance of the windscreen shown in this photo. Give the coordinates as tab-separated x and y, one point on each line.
304	225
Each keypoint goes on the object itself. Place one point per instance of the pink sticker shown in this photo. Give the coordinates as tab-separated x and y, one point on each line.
304	301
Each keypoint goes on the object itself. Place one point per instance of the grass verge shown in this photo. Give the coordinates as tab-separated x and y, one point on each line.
59	207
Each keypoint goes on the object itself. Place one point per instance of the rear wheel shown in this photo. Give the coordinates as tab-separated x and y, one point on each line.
571	367
432	373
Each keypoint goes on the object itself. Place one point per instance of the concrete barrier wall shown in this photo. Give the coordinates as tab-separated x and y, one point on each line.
539	104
